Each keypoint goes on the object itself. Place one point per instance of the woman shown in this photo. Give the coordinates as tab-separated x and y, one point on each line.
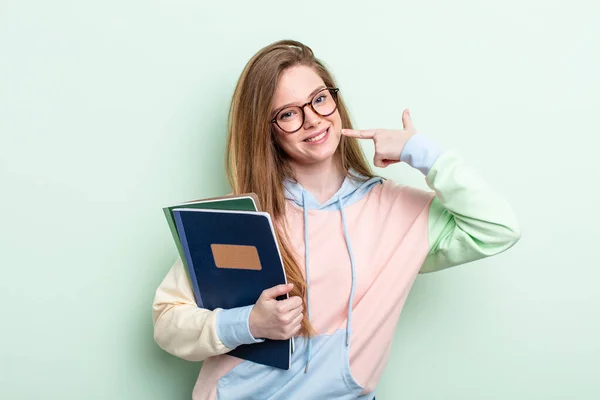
352	243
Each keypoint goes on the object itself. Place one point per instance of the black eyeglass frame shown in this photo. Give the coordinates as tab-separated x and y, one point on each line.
333	91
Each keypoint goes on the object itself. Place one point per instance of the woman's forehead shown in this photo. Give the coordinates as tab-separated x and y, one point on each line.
296	84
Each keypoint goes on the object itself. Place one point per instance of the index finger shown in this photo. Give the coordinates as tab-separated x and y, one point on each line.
290	304
361	134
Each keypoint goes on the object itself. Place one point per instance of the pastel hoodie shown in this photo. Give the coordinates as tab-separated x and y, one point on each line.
361	251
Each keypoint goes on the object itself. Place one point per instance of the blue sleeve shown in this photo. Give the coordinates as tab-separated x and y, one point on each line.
421	153
233	327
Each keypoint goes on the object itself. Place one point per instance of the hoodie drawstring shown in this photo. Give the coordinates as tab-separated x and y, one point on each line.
306	269
353	267
307	273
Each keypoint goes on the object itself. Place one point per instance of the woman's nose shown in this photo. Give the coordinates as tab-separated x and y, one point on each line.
311	118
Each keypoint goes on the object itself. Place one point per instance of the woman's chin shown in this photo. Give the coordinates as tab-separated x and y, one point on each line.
319	157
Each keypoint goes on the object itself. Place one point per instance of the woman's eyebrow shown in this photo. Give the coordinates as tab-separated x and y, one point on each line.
293	104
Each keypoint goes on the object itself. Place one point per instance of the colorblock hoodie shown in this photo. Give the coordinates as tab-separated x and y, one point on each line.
361	251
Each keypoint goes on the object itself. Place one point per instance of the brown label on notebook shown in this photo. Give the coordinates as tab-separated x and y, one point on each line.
235	256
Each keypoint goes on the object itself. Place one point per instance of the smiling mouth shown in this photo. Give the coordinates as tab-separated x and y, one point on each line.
318	137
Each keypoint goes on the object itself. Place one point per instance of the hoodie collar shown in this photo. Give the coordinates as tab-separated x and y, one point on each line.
354	188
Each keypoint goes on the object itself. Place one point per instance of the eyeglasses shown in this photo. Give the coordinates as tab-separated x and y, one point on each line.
291	119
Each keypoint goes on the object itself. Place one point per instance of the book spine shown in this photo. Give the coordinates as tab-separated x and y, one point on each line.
190	264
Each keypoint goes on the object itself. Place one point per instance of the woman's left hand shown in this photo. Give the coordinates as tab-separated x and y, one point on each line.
388	143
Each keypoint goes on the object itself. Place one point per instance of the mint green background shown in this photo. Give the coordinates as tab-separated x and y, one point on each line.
111	110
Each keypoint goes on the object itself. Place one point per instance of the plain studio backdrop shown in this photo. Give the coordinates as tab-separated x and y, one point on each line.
111	110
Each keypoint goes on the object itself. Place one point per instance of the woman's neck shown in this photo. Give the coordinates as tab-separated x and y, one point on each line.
322	180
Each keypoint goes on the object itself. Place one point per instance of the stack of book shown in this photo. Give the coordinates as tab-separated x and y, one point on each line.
230	252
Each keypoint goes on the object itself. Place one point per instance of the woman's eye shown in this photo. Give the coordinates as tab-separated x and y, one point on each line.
286	115
320	99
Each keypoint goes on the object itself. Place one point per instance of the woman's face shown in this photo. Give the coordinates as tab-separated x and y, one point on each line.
318	137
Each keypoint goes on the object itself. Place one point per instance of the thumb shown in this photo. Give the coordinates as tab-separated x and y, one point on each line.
276	291
407	121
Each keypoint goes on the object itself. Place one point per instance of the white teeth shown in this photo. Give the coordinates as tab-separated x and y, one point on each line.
317	138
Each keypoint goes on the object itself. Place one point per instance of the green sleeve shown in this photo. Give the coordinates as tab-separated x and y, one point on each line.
467	220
